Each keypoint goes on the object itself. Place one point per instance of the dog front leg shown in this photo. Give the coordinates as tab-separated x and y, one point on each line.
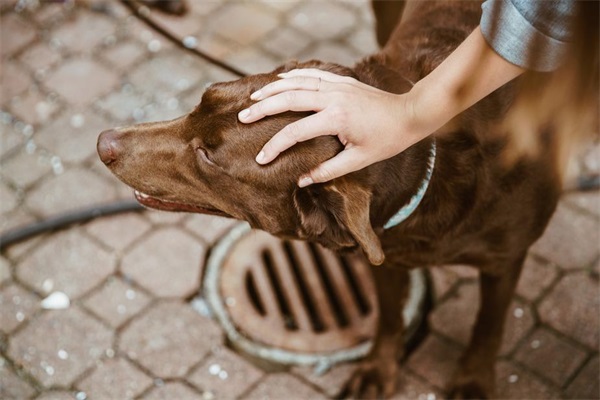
377	373
475	375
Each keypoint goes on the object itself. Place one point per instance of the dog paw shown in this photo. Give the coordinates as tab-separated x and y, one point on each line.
372	380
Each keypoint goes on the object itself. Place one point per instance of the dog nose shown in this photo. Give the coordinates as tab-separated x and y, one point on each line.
108	146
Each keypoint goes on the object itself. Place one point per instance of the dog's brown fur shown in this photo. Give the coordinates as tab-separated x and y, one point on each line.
476	210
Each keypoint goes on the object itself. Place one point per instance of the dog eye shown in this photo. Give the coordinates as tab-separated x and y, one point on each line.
203	154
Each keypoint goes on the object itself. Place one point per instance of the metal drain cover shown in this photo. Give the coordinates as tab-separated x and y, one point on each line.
296	302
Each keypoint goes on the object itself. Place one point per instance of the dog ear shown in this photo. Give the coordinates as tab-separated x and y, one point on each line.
337	215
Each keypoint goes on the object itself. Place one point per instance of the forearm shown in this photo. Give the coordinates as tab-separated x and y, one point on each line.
470	73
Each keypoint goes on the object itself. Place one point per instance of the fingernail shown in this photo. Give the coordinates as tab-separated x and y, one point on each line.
244	113
305	181
283	75
260	157
256	95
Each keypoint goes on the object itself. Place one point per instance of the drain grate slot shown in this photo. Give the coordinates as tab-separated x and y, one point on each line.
255	298
309	302
332	295
282	302
360	298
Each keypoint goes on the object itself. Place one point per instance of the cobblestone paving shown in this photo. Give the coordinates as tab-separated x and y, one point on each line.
70	71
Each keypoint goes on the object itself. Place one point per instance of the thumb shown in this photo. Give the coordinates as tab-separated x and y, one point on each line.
343	163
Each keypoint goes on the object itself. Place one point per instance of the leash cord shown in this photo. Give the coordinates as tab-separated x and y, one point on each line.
137	10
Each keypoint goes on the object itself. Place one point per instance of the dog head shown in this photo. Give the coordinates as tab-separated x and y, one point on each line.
204	162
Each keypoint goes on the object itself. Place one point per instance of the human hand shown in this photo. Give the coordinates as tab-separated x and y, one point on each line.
373	125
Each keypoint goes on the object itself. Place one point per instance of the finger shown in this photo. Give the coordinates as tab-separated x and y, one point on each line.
299	131
318	73
347	161
292	100
294	83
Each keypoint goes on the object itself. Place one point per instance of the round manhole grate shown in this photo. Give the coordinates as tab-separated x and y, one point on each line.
296	302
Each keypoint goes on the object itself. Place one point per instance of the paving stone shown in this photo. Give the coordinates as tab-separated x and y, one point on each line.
4	270
364	41
50	13
333	381
286	42
586	384
117	301
15	33
115	379
57	346
162	339
209	227
34	107
184	73
512	382
167	263
536	277
73	135
172	390
24	168
225	374
550	356
14	80
75	188
72	76
571	240
91	28
126	105
411	388
455	317
66	262
573	308
119	231
434	360
123	54
331	52
254	61
9	138
589	201
16	305
57	395
283	386
11	386
40	57
316	19
242	23
8	198
443	281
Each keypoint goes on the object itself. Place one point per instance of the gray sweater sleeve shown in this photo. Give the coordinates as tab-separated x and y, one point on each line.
532	34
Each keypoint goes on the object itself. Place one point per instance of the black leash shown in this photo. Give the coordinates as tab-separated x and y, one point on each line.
140	11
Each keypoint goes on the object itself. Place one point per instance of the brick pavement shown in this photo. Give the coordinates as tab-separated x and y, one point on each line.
69	72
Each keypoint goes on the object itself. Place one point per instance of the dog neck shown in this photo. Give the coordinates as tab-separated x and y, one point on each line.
407	209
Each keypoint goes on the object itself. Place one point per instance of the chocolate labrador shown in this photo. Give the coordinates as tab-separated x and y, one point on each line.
473	208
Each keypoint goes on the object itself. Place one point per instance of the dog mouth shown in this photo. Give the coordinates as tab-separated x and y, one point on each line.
167	205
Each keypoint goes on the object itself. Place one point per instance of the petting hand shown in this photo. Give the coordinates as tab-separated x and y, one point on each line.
373	125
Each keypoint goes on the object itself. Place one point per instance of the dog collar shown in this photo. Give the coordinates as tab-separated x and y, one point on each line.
412	205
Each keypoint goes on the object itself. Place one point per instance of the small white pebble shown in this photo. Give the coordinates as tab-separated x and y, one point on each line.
77	121
513	378
62	354
130	294
535	344
190	42
223	374
214	369
430	396
20	316
81	396
110	353
48	285
230	302
518	313
56	301
49	370
208	395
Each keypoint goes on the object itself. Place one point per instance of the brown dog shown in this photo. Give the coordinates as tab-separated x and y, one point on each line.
475	211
